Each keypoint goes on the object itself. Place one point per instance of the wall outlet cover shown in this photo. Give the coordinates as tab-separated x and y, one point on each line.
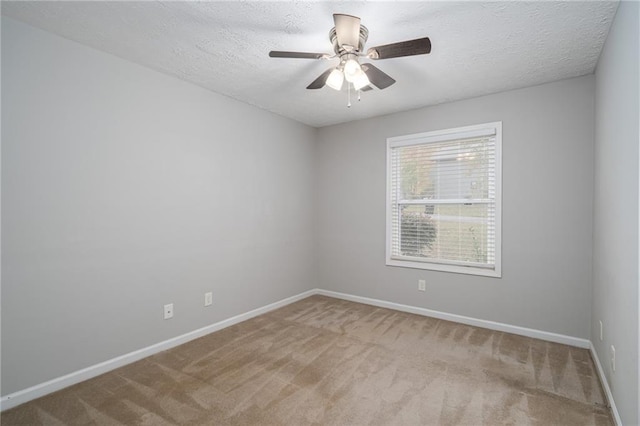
168	311
613	358
601	334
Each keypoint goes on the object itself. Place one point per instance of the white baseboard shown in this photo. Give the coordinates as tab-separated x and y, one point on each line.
58	383
514	329
605	384
62	382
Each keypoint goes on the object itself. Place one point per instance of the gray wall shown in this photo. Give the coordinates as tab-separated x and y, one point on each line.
615	230
124	189
547	210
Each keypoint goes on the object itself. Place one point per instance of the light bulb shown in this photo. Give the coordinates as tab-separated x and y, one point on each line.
351	68
360	80
335	79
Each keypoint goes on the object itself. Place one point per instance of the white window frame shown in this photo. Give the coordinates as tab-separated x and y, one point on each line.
441	136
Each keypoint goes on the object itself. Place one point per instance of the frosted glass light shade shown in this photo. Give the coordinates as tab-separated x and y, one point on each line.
361	80
335	79
351	68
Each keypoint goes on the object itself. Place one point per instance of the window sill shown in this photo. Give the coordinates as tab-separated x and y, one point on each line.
468	270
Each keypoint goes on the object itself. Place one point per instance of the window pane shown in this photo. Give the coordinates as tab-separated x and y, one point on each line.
446	170
454	232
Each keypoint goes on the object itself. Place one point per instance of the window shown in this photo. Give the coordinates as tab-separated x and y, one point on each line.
444	200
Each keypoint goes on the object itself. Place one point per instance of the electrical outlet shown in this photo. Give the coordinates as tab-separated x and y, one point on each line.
613	358
168	311
422	285
208	299
601	331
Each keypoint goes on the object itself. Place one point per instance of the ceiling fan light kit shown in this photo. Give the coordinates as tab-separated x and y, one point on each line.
348	38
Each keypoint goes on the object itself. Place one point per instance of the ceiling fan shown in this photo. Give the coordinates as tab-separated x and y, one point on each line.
348	38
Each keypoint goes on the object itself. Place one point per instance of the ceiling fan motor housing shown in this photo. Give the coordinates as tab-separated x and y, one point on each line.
341	50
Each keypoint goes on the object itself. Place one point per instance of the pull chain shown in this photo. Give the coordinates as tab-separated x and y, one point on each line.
359	91
348	95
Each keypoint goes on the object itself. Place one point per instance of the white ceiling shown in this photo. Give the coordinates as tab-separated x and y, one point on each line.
478	47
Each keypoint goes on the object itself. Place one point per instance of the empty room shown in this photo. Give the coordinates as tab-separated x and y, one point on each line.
328	213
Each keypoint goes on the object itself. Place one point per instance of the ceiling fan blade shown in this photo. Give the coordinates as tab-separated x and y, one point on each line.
347	30
319	82
378	78
366	88
418	46
300	55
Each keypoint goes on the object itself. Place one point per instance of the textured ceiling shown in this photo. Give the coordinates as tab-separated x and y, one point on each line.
478	47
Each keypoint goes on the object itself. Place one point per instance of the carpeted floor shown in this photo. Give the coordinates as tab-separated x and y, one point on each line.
327	361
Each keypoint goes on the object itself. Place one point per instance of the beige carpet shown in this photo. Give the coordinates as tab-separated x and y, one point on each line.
326	361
